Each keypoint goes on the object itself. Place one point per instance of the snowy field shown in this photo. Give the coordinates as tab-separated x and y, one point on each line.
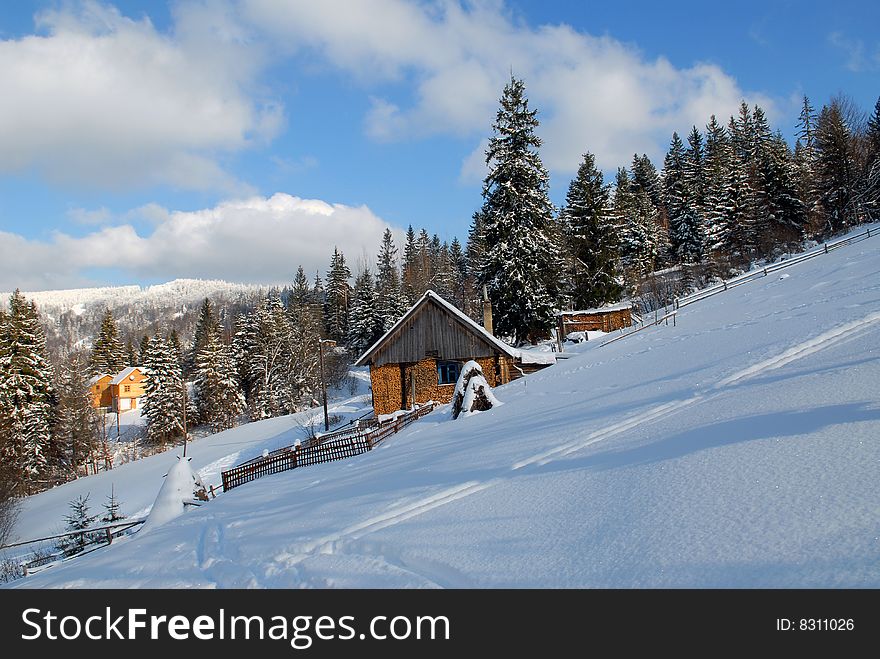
740	448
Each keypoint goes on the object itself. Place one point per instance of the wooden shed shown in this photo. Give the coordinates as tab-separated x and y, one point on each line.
601	319
420	357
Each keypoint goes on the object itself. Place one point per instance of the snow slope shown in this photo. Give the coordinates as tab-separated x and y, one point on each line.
736	449
137	483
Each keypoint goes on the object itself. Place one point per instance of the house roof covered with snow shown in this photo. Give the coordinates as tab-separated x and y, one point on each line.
95	379
124	373
620	306
461	320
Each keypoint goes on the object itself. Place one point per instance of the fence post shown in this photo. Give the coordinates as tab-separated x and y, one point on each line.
109	537
826	248
725	284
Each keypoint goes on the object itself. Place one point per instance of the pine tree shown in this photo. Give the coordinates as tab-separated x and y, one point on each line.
131	355
592	239
264	350
717	157
410	266
645	179
207	328
78	429
27	395
176	346
108	354
78	519
143	348
390	303
338	297
872	165
519	264
163	392
305	321
835	170
218	397
461	291
783	214
112	508
634	216
685	224
365	326
301	291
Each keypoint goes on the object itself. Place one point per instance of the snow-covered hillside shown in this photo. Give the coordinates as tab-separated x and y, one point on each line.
179	291
740	447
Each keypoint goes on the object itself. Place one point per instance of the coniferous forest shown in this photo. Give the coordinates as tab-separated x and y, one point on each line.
728	194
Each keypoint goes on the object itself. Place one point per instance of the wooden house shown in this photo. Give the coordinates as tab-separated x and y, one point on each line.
602	319
99	390
419	359
126	389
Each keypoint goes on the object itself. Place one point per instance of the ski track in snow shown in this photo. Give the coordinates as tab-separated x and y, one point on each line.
344	541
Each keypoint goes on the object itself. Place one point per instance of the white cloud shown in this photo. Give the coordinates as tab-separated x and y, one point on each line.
100	215
100	99
257	239
593	93
858	58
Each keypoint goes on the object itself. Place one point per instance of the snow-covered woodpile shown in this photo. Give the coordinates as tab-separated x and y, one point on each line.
472	392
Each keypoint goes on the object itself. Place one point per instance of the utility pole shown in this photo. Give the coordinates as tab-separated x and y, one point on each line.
184	418
330	344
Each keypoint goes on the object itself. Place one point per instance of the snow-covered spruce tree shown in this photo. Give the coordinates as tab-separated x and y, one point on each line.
268	355
218	396
78	427
519	265
207	327
27	395
835	170
591	237
163	392
108	353
131	354
805	154
364	325
78	519
305	324
782	213
645	179
685	222
390	303
634	216
338	297
872	165
176	346
441	268
716	167
112	508
737	205
143	348
462	288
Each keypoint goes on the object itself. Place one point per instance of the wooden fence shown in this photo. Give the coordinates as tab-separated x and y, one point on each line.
326	448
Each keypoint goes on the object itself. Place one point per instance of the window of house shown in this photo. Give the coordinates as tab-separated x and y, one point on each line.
127	388
447	372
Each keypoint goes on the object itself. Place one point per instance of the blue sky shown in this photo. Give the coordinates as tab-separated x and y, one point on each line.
144	141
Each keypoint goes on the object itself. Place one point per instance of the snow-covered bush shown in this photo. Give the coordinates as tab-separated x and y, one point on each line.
181	485
472	392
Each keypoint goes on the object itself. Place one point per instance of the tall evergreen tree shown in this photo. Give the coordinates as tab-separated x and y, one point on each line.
27	395
218	396
131	355
365	326
163	391
462	291
108	354
836	170
207	328
519	265
390	301
805	163
716	161
592	239
686	236
872	165
634	215
143	348
78	429
338	297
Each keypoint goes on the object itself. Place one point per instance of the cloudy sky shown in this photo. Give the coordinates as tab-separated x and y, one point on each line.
142	141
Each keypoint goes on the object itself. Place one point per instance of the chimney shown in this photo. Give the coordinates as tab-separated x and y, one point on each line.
487	311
